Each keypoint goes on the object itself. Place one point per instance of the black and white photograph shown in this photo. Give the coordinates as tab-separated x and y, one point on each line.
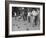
25	18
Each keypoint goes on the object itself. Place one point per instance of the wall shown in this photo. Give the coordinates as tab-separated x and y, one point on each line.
2	18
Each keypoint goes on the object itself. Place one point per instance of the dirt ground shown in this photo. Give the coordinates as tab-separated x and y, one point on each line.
20	25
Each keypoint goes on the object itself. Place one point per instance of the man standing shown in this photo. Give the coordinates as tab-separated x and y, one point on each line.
25	15
15	15
29	17
35	15
29	14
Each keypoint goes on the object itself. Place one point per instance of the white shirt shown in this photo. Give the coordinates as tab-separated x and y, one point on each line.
15	14
29	13
35	13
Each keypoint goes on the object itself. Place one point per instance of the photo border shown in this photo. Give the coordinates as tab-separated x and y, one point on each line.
7	18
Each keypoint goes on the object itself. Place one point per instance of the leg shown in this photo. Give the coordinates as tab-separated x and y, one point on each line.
35	20
29	19
24	17
15	17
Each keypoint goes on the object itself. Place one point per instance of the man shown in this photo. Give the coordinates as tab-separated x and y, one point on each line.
35	15
38	19
15	15
25	16
29	15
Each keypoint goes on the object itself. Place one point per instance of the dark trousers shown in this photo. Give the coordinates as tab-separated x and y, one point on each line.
29	19
24	17
35	20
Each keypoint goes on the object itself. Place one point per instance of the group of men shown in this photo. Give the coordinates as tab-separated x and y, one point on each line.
35	15
27	15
